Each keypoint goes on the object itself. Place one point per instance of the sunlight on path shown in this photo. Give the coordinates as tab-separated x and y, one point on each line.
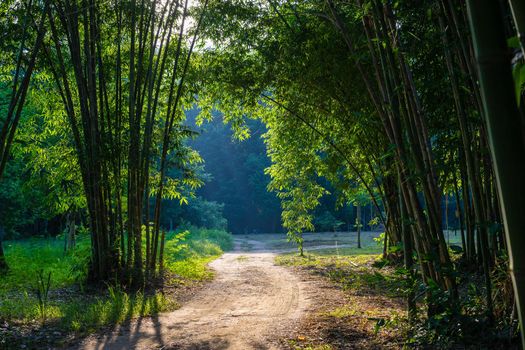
248	305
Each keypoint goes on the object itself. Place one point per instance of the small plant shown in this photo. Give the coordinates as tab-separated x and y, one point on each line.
380	240
42	292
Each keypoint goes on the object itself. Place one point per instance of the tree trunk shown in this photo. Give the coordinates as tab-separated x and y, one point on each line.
505	133
518	13
72	229
3	263
161	251
407	256
358	224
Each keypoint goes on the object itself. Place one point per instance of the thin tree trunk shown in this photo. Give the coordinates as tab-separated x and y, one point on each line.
459	213
407	256
3	263
161	251
358	224
505	134
518	13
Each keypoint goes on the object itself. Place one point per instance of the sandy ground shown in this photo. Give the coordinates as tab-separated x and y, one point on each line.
250	304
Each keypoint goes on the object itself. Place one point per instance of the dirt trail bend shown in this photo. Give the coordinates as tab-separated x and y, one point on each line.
249	304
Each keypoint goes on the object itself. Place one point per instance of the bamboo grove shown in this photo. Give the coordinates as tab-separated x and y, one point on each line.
404	103
387	98
118	70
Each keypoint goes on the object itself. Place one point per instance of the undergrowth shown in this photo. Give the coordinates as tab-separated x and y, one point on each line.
377	291
73	308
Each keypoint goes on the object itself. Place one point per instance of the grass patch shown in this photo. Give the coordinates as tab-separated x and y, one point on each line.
26	257
73	310
351	272
343	240
372	305
297	345
188	251
348	251
342	312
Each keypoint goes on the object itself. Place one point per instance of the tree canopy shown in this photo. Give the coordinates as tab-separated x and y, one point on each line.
411	109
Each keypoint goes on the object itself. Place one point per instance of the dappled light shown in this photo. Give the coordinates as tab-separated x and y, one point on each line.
232	174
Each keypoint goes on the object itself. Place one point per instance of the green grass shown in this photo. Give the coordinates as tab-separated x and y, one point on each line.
351	268
348	251
187	254
85	313
372	292
26	257
188	251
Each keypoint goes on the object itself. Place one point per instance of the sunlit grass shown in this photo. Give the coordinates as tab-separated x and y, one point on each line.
351	268
373	291
344	311
296	345
26	257
193	268
86	313
186	257
348	251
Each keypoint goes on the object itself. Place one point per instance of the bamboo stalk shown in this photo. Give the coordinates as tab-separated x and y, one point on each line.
505	136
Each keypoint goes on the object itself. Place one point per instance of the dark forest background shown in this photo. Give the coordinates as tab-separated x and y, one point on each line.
233	197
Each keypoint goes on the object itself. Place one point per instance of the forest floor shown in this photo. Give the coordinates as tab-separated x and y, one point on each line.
72	309
255	303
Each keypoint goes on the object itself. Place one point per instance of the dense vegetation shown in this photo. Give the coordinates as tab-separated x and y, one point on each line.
72	305
405	115
234	173
395	102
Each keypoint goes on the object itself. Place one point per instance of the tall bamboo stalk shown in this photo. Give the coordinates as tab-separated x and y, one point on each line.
18	96
505	136
518	13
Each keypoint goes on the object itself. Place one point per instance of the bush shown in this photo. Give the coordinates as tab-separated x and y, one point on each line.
327	222
189	249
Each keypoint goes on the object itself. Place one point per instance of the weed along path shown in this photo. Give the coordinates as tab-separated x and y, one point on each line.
250	304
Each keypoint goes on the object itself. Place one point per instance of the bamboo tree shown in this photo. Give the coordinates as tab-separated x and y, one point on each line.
518	13
175	94
395	85
114	166
505	136
18	95
474	178
358	223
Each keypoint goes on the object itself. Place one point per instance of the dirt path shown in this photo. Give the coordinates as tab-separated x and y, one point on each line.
249	305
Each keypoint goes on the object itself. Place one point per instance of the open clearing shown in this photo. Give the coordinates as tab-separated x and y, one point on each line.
251	304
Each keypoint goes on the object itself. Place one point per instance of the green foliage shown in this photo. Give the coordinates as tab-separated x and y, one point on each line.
26	258
303	105
207	214
234	175
188	251
42	293
327	222
117	306
518	72
380	240
42	179
352	271
87	313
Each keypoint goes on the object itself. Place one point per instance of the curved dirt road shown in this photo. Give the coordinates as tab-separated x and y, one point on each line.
249	305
